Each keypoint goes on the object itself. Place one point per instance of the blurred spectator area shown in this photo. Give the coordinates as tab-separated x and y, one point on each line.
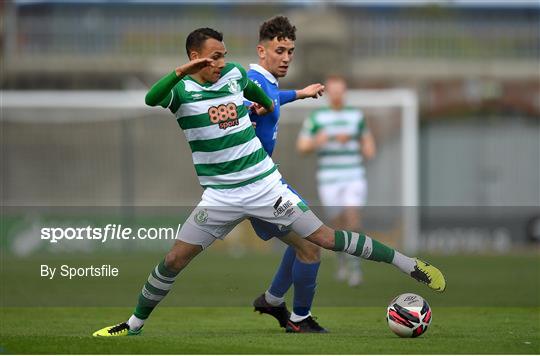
459	57
141	36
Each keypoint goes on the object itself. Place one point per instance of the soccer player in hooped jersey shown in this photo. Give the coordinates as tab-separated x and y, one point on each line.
240	180
300	262
343	141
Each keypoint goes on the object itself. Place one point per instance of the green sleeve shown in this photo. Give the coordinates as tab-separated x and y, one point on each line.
310	126
362	128
245	80
161	92
252	92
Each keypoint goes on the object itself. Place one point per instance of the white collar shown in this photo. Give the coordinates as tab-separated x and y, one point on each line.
269	76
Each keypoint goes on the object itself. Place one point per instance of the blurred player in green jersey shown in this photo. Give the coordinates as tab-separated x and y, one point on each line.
342	140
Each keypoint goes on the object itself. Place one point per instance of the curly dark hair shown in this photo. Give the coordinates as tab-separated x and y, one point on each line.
196	38
277	26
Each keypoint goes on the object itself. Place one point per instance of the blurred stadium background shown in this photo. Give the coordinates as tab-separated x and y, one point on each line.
79	147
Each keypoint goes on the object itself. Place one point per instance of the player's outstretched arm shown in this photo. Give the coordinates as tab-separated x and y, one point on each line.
311	91
161	90
255	94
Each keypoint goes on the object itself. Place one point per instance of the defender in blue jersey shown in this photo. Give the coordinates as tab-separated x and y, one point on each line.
301	261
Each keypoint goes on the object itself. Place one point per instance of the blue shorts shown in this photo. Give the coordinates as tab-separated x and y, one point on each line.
266	230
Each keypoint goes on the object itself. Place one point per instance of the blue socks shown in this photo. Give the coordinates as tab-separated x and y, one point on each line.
305	281
284	276
302	275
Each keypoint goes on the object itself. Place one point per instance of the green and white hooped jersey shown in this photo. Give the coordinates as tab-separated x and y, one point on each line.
225	150
337	162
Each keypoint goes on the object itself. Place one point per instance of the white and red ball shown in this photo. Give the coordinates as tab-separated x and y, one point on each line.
408	315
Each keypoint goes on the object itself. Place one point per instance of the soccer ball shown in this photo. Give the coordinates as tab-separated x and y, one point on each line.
408	315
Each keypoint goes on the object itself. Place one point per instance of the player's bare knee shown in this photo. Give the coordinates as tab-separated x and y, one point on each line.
180	255
308	252
175	261
314	253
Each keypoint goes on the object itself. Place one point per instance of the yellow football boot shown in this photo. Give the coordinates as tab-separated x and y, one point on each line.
121	329
430	275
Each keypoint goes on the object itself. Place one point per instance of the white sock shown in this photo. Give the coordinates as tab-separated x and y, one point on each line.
272	299
135	323
404	263
298	318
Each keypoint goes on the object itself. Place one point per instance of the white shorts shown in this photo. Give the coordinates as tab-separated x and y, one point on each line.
268	199
335	196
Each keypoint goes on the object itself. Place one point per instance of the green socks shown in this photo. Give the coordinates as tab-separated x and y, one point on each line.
159	283
363	246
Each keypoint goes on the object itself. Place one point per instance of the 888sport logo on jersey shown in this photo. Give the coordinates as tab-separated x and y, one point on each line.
225	115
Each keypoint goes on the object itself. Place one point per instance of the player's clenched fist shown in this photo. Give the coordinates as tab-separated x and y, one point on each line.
343	138
260	110
321	138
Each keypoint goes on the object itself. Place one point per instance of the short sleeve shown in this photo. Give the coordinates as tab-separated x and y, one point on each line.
362	127
309	127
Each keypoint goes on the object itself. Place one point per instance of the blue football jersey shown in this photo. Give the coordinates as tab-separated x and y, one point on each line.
267	125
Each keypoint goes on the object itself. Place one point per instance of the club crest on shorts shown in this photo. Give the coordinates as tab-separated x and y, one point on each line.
234	87
201	217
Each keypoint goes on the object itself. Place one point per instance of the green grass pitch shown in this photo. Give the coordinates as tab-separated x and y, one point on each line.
491	306
236	330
